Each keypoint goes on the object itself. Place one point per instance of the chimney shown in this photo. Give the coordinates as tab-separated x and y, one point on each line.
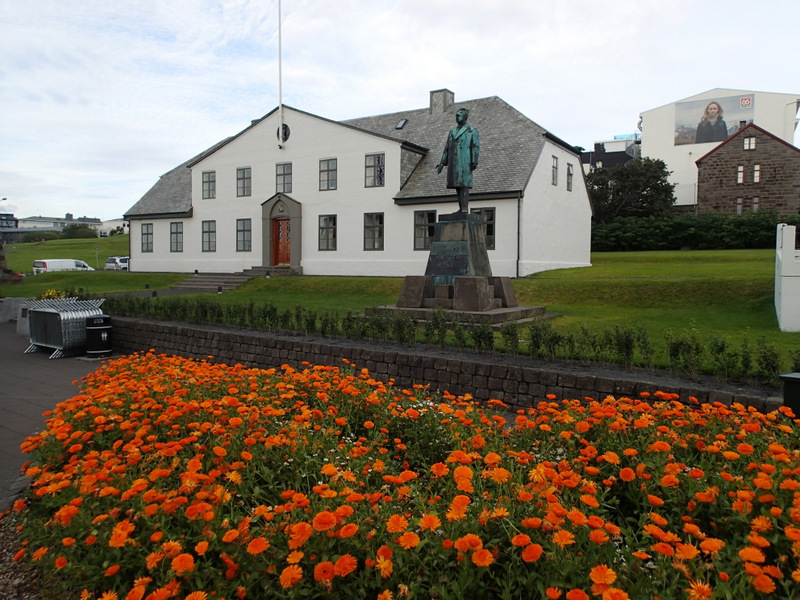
68	217
441	100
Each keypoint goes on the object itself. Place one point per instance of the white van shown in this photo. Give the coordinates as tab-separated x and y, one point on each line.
59	264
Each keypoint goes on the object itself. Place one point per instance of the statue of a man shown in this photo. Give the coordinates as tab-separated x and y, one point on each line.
461	158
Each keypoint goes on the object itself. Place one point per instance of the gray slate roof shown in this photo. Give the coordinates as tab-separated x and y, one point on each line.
510	147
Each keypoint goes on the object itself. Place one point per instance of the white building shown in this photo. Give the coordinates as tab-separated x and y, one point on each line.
670	132
361	197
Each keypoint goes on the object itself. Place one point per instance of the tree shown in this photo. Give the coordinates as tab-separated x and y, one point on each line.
638	188
78	230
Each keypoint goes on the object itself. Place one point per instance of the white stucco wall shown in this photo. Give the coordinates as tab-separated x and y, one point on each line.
787	278
556	223
774	112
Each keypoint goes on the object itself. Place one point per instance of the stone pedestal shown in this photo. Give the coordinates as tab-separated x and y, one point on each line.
458	275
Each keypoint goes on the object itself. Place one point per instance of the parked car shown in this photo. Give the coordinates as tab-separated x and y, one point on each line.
117	263
47	265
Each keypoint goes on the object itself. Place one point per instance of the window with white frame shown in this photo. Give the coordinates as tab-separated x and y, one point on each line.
487	219
755	204
373	231
739	204
374	170
147	237
283	178
569	177
244	182
209	185
554	174
327	174
740	174
176	236
327	232
750	143
209	229
424	228
756	173
244	233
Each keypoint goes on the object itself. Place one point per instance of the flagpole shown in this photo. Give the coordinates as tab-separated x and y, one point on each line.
280	79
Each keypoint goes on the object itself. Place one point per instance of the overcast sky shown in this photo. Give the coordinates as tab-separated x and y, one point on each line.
98	98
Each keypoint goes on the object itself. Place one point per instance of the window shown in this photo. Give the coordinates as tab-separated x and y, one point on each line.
176	237
209	185
373	231
755	204
373	171
209	236
487	216
327	174
327	232
283	178
740	174
244	232
739	202
147	237
554	176
569	177
243	182
749	143
756	173
424	228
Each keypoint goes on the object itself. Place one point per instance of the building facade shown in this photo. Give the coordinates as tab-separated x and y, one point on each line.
361	197
751	170
681	132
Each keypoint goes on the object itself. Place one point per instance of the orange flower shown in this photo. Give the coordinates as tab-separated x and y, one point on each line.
482	557
429	522
654	500
345	565
201	548
602	574
299	534
230	535
576	594
408	540
532	553
348	530
589	500
615	594
61	562
563	538
627	474
183	563
521	539
752	554
257	545
440	469
290	576
663	548
699	590
711	545
396	524
469	541
385	566
294	557
324	520
598	536
763	584
685	551
324	572
111	571
553	592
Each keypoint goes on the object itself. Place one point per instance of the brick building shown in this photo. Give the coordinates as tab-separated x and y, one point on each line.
751	170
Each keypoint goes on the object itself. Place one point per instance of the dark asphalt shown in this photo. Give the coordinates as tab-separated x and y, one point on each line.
30	384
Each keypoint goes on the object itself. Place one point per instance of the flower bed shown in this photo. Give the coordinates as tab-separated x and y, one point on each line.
172	478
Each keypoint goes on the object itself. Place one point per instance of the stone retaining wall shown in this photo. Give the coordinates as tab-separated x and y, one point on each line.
517	381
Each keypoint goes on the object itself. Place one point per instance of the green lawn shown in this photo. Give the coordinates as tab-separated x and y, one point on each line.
721	293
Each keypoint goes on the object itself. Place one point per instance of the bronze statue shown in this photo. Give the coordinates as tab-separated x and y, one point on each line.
461	158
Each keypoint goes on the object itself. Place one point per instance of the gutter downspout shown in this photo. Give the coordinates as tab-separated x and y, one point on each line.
519	230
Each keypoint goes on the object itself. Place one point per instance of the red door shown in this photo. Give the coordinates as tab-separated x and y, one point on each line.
281	242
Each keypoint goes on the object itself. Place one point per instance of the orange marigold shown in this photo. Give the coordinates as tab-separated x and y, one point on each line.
563	538
699	590
396	524
482	557
291	575
576	594
324	572
712	545
324	520
627	474
429	522
752	554
602	574
257	545
183	563
345	565
532	553
521	539
763	584
408	540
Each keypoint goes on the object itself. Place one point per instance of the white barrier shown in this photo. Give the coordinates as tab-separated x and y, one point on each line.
787	279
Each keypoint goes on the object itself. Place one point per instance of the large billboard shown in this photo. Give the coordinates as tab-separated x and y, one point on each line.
711	120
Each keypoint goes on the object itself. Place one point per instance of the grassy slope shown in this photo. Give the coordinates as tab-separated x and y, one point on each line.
726	293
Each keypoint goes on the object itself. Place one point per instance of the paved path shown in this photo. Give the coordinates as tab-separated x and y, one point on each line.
30	384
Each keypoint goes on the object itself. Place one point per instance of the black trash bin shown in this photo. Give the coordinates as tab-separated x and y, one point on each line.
98	336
